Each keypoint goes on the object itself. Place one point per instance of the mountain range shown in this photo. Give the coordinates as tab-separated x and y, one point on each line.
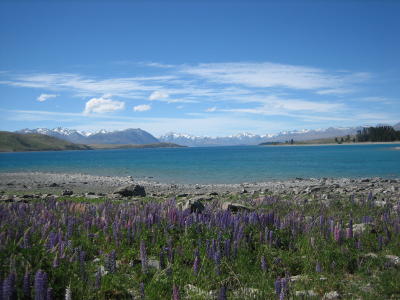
140	137
128	136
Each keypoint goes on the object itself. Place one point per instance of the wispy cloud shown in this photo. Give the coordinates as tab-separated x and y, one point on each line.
211	109
157	95
102	105
85	86
44	97
266	75
142	107
234	91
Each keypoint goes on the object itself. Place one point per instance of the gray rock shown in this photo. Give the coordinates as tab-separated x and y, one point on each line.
67	193
234	207
7	198
153	263
393	259
306	293
361	227
247	293
331	295
131	190
194	292
53	185
194	205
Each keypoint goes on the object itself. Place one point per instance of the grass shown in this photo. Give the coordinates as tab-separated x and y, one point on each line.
72	240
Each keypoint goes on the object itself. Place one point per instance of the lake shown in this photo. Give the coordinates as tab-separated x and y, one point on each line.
217	164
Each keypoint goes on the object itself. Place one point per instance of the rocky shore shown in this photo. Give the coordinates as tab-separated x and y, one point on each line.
39	185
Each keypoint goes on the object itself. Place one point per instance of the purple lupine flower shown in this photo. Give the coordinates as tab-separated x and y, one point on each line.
26	286
318	267
284	288
358	244
337	233
235	249
227	248
349	232
217	260
143	256
175	292
222	293
263	264
8	288
40	285
111	263
278	286
196	264
282	295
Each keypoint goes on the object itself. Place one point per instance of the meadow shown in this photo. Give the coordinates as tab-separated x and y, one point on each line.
271	248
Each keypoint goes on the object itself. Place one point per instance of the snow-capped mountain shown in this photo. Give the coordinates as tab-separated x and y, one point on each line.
207	141
127	136
255	139
139	136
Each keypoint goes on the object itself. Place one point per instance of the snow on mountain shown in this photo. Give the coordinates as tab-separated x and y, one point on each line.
255	139
139	136
128	136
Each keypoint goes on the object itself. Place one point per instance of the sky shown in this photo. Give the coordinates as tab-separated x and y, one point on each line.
199	67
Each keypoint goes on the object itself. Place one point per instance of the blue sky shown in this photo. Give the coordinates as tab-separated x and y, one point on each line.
199	67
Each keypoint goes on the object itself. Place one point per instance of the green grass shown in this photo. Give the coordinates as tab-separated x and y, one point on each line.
345	268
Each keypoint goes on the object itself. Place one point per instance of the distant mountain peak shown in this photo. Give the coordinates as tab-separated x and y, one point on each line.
103	136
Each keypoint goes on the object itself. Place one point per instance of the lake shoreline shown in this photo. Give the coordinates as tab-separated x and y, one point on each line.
82	184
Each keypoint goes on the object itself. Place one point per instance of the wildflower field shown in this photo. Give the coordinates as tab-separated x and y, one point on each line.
74	248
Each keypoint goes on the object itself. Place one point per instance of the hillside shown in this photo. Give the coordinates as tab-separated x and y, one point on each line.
14	142
124	137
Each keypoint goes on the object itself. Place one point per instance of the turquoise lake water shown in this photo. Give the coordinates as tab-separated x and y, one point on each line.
217	164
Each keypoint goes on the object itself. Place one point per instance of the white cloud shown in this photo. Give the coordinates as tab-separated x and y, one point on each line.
211	109
102	105
44	97
142	107
158	95
266	75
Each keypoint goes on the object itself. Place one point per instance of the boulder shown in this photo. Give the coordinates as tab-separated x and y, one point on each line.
247	293
131	190
306	294
393	259
331	295
67	193
234	207
194	205
194	292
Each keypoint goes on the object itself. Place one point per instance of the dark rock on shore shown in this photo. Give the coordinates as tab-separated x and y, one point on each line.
67	193
194	205
132	190
234	207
